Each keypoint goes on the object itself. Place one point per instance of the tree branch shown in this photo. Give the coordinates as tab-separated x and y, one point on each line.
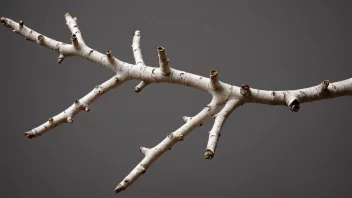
152	154
137	53
219	122
222	93
64	49
293	98
76	107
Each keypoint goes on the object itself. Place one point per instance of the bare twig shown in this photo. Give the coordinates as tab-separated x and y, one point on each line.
222	93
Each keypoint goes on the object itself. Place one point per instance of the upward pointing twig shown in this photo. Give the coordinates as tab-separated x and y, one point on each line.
137	53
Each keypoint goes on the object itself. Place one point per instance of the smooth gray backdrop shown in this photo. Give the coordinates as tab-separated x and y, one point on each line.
264	152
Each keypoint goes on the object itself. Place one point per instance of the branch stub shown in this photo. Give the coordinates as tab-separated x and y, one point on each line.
21	23
245	91
208	154
41	38
294	105
326	84
69	119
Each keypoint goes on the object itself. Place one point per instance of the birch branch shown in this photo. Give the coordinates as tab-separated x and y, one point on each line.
293	98
72	24
220	91
152	154
64	49
137	53
79	105
163	61
219	122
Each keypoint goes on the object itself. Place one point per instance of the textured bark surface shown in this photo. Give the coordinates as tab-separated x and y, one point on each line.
223	94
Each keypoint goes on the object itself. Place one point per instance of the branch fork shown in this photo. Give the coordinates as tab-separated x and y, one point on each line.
222	93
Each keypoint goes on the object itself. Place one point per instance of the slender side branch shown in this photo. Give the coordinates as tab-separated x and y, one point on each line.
163	61
76	107
72	24
137	53
151	155
63	49
214	81
220	119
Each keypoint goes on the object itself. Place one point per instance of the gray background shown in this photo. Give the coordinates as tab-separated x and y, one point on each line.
264	152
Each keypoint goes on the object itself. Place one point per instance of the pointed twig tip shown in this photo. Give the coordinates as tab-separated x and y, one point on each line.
119	188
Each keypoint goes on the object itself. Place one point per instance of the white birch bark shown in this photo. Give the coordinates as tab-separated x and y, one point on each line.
222	93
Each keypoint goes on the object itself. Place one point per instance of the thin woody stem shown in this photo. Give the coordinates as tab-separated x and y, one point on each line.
152	154
219	122
76	107
220	91
137	53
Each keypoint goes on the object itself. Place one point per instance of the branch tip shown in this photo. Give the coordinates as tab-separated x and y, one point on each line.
294	105
86	109
326	84
61	58
119	188
163	61
137	33
74	40
140	86
67	14
69	119
186	118
137	89
143	150
30	134
213	74
214	78
21	24
208	154
108	53
161	49
110	56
